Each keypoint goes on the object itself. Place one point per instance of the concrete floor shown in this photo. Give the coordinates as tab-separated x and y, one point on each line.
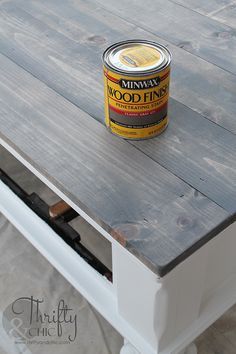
24	272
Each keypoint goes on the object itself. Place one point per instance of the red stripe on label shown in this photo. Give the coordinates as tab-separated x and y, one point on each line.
137	114
165	76
113	79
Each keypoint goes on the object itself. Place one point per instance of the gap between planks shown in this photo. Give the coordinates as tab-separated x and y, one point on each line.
189	105
147	29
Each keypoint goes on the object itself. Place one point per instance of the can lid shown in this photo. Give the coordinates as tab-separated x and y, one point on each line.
136	56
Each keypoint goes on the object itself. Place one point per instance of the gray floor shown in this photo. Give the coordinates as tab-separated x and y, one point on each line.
24	272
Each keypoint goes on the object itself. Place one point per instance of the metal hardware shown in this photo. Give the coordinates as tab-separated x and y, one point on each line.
57	217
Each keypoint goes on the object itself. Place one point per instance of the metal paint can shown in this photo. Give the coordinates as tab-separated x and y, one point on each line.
136	82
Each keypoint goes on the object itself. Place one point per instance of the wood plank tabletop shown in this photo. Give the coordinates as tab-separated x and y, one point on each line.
163	198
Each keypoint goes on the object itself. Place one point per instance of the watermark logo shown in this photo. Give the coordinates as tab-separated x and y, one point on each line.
26	321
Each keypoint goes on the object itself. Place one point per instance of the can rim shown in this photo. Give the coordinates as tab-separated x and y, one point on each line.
164	50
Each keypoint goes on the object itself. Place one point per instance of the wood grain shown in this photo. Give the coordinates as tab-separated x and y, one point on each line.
205	7
221	10
194	149
158	217
189	30
200	153
65	49
226	15
62	46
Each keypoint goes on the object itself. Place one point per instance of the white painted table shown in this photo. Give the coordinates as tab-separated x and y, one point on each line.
157	315
166	205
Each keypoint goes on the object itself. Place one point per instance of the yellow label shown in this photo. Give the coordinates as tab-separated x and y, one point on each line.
136	107
140	56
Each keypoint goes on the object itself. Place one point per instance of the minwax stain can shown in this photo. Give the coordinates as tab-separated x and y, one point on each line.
136	78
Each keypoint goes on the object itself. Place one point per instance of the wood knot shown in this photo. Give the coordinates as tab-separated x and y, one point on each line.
225	34
124	232
185	45
96	39
183	222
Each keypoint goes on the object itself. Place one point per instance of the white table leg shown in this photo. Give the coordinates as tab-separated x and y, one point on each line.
128	348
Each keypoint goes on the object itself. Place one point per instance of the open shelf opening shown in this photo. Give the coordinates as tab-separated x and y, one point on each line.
66	222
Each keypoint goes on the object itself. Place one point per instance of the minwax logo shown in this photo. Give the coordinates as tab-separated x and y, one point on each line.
140	84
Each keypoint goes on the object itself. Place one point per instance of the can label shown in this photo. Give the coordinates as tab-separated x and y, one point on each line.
138	57
136	107
136	77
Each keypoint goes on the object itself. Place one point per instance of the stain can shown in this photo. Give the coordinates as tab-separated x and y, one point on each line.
136	82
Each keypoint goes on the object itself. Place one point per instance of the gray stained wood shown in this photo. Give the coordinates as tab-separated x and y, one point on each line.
54	59
227	15
202	154
62	46
220	10
197	34
163	198
205	7
157	216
